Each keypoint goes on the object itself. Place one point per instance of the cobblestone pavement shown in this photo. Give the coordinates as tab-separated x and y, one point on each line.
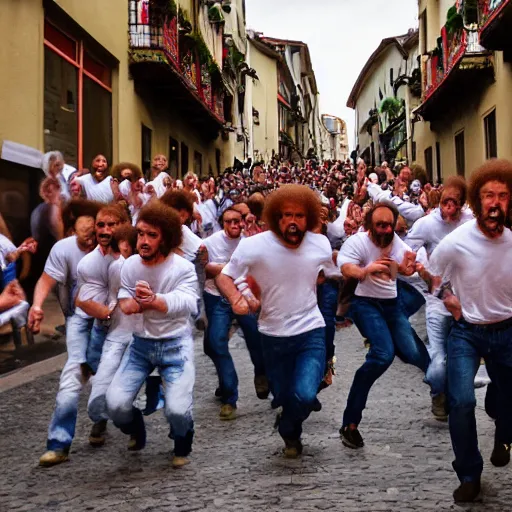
405	465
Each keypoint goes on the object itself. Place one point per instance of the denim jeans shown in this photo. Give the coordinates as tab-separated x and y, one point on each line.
468	343
327	294
174	359
389	332
216	344
410	298
295	367
438	330
7	275
111	356
62	425
95	346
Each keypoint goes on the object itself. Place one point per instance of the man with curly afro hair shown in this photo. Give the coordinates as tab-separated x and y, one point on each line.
283	266
474	258
162	287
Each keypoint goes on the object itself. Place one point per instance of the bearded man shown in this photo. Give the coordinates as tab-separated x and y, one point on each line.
428	232
374	258
284	264
473	258
162	287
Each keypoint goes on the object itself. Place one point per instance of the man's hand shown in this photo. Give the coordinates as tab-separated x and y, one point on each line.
28	245
11	296
381	266
35	317
240	305
452	304
143	292
408	265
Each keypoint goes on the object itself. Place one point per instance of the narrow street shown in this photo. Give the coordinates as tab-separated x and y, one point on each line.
405	465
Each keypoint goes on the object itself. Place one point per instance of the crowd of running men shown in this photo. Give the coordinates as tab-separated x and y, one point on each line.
288	254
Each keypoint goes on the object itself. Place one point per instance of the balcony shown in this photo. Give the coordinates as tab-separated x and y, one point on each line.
168	63
458	61
496	20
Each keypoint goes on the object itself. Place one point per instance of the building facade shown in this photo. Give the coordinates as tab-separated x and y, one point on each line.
336	139
465	116
386	91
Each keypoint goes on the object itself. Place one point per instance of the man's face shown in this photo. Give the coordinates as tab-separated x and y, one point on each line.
126	173
125	249
56	167
406	175
149	239
51	193
232	224
85	236
382	228
495	200
450	204
160	162
293	223
190	182
137	187
105	227
99	167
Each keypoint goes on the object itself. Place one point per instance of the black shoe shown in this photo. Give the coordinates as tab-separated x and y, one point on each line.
97	435
500	455
351	437
316	406
293	448
467	491
261	387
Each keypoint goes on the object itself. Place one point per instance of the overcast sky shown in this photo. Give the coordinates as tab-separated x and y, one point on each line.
341	35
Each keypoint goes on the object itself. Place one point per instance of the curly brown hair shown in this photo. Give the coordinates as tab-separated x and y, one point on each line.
136	172
179	200
125	233
459	183
298	194
493	170
79	208
368	219
160	215
117	211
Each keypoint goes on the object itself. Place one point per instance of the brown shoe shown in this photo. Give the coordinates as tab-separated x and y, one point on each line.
439	407
53	457
179	462
293	448
97	435
261	387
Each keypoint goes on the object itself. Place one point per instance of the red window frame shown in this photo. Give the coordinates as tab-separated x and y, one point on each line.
87	64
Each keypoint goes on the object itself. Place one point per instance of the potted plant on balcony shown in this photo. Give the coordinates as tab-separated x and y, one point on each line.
215	14
454	21
392	107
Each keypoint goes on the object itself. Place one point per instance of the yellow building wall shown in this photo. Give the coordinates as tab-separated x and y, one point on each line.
22	86
264	100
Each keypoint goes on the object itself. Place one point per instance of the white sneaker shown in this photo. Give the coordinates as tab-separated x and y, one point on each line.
482	379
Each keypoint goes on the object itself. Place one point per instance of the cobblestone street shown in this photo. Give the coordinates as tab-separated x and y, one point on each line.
405	465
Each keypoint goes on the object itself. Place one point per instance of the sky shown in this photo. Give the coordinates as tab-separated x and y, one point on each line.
341	35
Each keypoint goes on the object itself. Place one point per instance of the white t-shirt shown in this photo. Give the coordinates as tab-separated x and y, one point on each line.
121	325
6	247
190	244
220	248
287	278
360	250
176	281
96	191
430	230
477	268
92	282
61	265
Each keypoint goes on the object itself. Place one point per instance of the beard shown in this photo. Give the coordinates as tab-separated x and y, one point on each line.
293	235
104	240
382	240
147	256
494	222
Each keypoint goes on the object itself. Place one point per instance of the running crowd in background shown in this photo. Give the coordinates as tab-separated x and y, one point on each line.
287	254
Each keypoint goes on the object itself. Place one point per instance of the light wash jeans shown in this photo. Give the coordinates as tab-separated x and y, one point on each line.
438	330
113	351
62	425
174	358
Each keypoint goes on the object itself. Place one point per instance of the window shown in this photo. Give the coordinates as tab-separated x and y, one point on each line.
184	159
146	135
460	154
174	154
429	162
438	161
198	163
491	146
77	99
413	150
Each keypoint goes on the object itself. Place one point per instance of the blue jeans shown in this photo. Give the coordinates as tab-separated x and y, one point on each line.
389	332
295	367
95	347
174	359
327	294
216	344
467	343
438	329
7	275
62	425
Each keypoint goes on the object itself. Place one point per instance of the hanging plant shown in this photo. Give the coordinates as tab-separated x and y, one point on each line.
392	107
162	10
215	14
454	20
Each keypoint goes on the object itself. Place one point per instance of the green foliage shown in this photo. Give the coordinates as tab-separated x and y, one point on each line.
162	10
454	20
392	107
